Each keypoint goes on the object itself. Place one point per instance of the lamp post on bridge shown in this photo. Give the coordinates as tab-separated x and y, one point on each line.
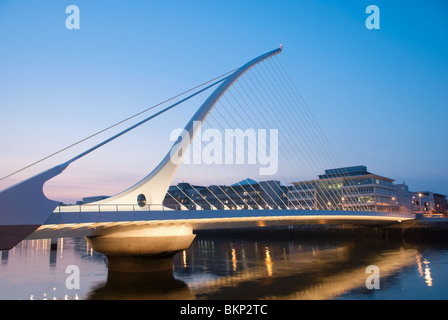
420	195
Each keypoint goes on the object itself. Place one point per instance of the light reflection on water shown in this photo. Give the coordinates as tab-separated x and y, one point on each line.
218	268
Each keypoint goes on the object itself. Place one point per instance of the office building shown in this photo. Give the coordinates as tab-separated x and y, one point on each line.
246	194
349	188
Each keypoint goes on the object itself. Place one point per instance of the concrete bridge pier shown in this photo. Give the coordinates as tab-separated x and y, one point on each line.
147	249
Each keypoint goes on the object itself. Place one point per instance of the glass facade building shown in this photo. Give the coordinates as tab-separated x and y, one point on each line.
246	194
349	188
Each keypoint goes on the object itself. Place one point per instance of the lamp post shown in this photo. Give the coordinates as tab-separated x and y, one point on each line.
420	195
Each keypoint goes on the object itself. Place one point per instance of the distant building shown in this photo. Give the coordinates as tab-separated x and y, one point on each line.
182	195
91	199
349	188
428	202
440	203
246	194
404	197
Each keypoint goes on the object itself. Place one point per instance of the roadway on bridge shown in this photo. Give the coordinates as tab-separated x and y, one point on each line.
79	224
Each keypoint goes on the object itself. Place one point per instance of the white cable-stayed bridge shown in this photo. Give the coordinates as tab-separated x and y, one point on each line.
254	124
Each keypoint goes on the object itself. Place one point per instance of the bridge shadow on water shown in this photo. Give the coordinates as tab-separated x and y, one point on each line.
150	285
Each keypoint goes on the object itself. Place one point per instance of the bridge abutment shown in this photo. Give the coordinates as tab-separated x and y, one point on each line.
144	249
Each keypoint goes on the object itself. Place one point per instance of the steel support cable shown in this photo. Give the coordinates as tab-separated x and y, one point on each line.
218	93
257	118
301	141
287	147
302	102
244	110
323	139
209	189
180	204
273	103
309	126
231	116
307	116
200	194
262	114
225	119
333	195
260	186
207	121
306	124
127	119
193	144
198	206
267	103
308	147
241	108
243	202
203	170
230	186
328	195
266	112
233	78
204	185
248	117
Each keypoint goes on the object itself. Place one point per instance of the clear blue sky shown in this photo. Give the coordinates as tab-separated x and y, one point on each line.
380	95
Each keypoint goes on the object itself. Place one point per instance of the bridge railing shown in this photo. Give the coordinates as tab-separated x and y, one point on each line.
154	207
110	208
127	207
160	207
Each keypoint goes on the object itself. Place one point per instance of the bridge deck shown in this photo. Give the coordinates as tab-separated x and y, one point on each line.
75	224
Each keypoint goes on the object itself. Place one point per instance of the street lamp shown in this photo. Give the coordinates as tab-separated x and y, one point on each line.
420	195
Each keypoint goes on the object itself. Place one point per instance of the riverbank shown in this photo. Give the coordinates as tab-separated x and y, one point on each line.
424	229
421	229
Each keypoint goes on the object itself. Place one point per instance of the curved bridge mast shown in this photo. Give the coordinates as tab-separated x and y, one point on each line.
155	185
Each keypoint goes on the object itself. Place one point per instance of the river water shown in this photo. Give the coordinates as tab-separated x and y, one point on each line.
234	268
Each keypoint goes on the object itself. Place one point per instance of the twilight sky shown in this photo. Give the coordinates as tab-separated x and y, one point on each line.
380	96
